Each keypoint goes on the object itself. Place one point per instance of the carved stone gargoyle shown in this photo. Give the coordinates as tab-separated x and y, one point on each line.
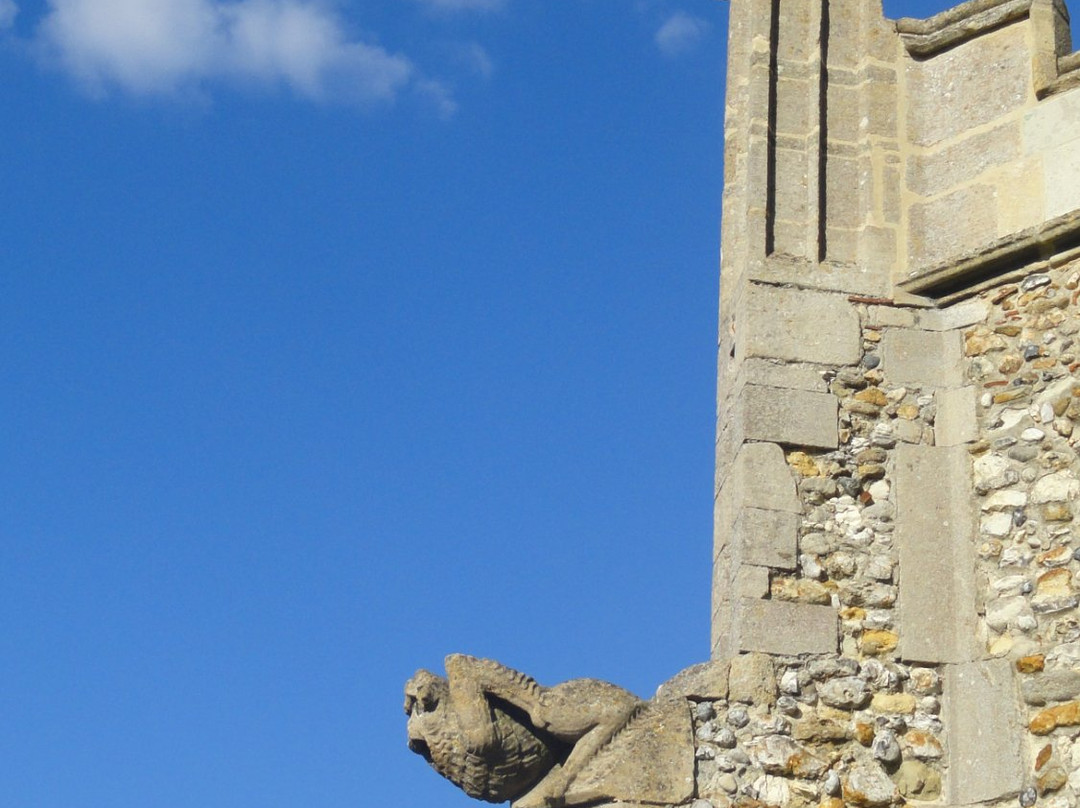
499	735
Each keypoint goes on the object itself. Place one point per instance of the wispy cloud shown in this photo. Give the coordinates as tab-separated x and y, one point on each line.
8	11
681	32
476	59
165	47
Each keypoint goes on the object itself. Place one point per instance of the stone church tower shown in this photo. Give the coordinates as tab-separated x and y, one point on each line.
897	551
896	464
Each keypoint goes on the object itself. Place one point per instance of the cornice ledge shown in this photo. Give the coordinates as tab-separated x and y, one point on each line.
1017	254
925	37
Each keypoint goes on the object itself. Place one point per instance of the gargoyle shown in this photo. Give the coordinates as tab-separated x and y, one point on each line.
499	735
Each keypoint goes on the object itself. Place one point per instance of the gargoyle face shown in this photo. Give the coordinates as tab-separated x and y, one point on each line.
425	697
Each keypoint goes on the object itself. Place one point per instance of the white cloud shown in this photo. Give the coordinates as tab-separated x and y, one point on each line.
8	11
680	33
149	47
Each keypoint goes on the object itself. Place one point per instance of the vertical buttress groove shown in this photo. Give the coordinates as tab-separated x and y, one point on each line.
823	131
770	164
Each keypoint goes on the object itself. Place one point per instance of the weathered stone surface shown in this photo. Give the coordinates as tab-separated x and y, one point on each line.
934	537
866	785
490	730
956	421
779	754
951	93
917	781
650	760
767	538
799	325
984	742
1051	686
752	679
794	417
706	680
778	627
923	358
845	692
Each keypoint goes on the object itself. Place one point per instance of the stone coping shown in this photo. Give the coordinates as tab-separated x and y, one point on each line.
1018	252
925	37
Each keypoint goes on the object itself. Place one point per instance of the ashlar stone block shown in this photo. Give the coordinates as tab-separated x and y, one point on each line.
780	627
767	538
793	417
799	325
759	478
956	420
917	358
935	525
985	732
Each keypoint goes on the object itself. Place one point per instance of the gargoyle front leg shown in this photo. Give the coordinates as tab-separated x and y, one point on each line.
468	699
473	675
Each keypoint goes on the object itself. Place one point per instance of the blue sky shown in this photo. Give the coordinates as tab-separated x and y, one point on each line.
335	338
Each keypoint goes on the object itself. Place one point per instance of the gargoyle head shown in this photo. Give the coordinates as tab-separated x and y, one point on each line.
425	694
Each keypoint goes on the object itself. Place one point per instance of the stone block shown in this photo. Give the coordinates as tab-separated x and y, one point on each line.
951	226
985	732
1062	179
917	358
960	315
798	325
1021	195
779	374
890	316
751	582
766	538
956	421
843	112
793	101
752	679
939	170
1053	122
844	198
968	86
935	525
759	478
793	417
881	109
780	627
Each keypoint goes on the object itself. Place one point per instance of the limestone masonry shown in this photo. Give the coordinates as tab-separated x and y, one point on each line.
896	559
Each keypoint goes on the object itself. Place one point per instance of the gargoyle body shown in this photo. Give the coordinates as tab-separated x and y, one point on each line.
499	735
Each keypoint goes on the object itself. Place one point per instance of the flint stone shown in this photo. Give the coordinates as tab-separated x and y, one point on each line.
867	786
847	692
1061	486
1056	685
917	781
778	754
